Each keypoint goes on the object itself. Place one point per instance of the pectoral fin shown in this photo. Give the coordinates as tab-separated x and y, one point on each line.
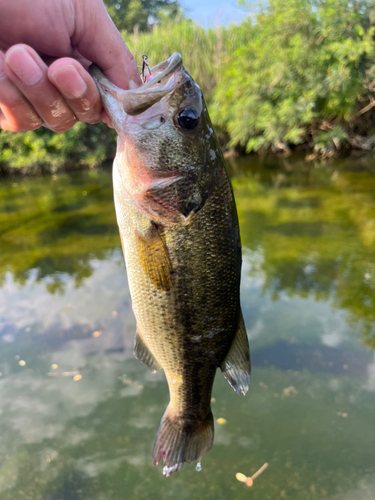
236	366
142	353
154	258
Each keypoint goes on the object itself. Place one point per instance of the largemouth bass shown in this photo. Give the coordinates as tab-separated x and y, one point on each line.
180	236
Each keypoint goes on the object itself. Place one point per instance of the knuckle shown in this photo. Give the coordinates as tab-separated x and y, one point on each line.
35	125
86	105
91	119
60	128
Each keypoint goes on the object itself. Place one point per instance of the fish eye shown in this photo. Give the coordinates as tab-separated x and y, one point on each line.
188	118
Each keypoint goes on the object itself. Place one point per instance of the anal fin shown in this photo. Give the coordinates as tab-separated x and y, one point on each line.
236	366
142	352
154	258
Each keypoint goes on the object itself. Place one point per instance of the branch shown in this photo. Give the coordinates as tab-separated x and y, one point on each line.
361	142
363	110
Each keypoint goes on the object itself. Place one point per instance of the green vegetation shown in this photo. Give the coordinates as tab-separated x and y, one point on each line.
133	15
298	75
42	150
56	227
304	76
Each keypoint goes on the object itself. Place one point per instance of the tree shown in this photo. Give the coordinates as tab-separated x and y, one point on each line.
128	14
301	78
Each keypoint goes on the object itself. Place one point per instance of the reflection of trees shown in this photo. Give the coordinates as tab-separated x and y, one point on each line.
315	226
317	238
56	227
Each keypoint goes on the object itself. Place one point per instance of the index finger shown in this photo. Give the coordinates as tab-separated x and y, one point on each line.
97	38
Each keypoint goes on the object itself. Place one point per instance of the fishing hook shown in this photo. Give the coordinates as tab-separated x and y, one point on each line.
144	66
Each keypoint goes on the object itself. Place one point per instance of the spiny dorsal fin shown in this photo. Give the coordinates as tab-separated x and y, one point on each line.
142	353
154	258
236	366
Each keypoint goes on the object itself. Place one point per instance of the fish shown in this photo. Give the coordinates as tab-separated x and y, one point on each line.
180	236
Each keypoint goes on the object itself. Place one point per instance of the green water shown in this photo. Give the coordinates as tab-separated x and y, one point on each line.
308	296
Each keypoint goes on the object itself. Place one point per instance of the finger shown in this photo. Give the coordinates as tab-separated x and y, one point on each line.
97	39
28	72
17	114
78	89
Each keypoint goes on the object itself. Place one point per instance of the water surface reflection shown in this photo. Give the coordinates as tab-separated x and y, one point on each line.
308	295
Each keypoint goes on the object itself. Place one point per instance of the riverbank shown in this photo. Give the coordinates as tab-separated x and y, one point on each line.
296	76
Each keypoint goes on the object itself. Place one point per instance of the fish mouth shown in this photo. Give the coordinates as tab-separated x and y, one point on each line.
165	77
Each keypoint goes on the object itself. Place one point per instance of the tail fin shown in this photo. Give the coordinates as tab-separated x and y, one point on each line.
179	441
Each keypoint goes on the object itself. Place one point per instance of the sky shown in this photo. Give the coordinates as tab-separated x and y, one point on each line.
213	12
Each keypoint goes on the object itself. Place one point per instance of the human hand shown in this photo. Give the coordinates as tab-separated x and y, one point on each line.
72	33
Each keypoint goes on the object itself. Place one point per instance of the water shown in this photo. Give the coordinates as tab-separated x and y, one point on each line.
78	420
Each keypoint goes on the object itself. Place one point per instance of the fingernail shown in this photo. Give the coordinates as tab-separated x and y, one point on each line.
23	66
69	81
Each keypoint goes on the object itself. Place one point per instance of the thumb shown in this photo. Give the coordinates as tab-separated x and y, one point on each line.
97	39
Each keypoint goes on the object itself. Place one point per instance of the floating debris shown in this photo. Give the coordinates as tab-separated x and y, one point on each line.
263	385
77	377
54	366
288	392
249	481
241	477
343	415
114	314
21	362
221	421
125	379
96	334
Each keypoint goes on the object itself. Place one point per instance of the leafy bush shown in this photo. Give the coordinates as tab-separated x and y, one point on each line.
304	70
42	149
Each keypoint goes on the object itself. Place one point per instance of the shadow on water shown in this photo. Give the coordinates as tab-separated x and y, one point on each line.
308	297
315	358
